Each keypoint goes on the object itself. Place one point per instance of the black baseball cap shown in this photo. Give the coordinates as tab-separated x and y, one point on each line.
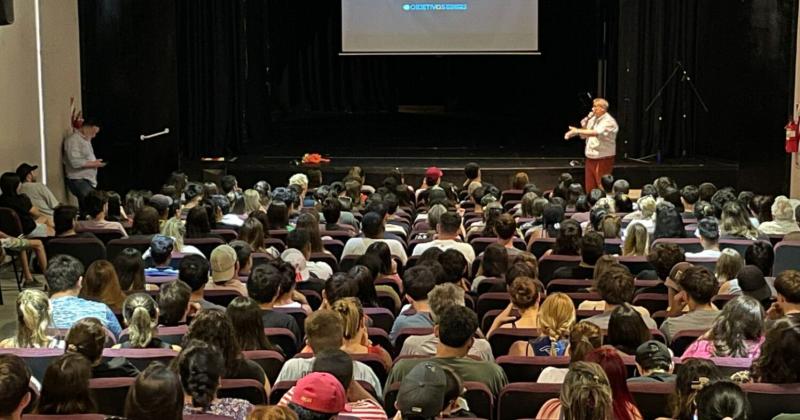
24	169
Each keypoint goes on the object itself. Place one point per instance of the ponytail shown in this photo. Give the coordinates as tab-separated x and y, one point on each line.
141	314
33	318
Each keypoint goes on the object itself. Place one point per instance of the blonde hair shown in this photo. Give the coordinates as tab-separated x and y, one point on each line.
606	203
637	241
601	266
175	229
729	264
782	209
556	317
586	393
583	338
602	103
252	201
352	316
141	316
300	180
611	226
647	205
33	318
271	412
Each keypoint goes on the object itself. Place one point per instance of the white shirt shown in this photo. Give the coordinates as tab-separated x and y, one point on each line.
358	246
605	143
78	151
706	253
444	245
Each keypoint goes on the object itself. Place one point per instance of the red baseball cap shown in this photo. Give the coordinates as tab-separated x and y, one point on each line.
320	392
433	172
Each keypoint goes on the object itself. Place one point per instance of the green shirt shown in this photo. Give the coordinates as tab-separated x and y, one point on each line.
470	370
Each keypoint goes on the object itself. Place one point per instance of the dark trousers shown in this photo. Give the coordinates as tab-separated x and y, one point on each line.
80	188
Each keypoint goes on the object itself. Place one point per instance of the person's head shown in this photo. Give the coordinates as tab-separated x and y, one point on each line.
173	302
372	225
694	373
761	206
443	296
761	255
324	330
703	209
615	285
722	400
299	239
252	232
740	320
637	241
15	393
161	248
87	336
309	223
754	284
472	170
197	221
556	317
590	247
699	285
663	256
621	186
599	107
140	312
352	317
653	356
64	274
156	394
519	181
449	224
336	363
669	223
456	327
729	264
64	217
244	255
609	359
248	326
100	283
690	194
252	201
583	338
495	261
224	263
175	229
735	221
454	265
522	265
65	387
708	228
525	292
9	183
787	285
505	227
586	393
33	319
331	210
145	221
269	281
418	282
782	209
647	205
607	182
26	172
340	285
384	255
200	367
272	412
778	362
422	392
95	203
568	239
626	329
213	327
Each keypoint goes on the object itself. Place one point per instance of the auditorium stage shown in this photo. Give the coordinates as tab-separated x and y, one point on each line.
498	166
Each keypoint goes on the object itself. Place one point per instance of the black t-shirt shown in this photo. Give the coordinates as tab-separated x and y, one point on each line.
115	368
247	369
274	319
21	205
578	273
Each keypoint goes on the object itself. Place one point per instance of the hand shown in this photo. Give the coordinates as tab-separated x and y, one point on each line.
571	133
775	311
299	297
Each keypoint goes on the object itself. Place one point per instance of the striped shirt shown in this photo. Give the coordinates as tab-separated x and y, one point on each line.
363	409
69	309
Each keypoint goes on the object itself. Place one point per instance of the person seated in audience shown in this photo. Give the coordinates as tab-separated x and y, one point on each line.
552	218
555	318
359	403
340	285
447	237
441	297
272	412
761	255
198	224
585	393
752	283
33	320
583	338
787	288
626	329
567	240
492	210
623	204
145	224
65	387
422	394
244	256
506	230
310	223
388	268
734	224
455	330
608	358
662	256
783	221
141	315
472	172
100	284
324	332
193	271
193	195
15	387
637	242
225	271
214	328
245	316
252	202
455	268
364	273
22	246
722	399
729	264
96	204
354	327
298	254
645	214
616	287
523	310
333	217
200	367
582	209
264	285
373	229
129	266
34	223
64	279
88	338
738	332
668	222
418	282
653	363
278	212
175	229
689	196
591	248
307	401
174	304
156	394
161	248
708	229
778	362
696	287
163	204
493	265
40	196
252	232
65	218
692	376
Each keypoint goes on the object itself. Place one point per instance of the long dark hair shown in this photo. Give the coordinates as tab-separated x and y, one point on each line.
197	222
129	266
200	366
626	329
567	238
669	223
278	215
495	261
156	394
366	285
245	316
213	327
778	362
740	320
114	206
310	222
690	377
382	251
65	387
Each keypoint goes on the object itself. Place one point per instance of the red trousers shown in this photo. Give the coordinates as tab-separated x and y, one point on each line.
595	169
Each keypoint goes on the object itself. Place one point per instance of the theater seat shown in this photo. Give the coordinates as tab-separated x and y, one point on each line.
787	256
141	358
502	339
769	400
110	394
528	369
86	250
549	264
523	400
245	389
270	361
381	318
652	399
489	301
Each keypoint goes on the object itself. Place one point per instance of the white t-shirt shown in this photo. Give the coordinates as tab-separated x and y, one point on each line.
358	246
706	253
444	245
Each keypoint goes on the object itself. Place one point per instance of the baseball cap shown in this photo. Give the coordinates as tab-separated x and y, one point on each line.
753	283
676	275
652	351
433	172
422	391
320	392
298	261
223	263
160	202
24	169
709	228
161	244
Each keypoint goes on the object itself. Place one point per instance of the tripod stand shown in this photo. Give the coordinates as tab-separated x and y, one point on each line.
686	80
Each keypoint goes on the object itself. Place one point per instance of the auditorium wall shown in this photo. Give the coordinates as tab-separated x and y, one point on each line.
19	86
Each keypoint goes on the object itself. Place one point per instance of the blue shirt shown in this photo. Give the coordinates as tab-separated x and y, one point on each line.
410	319
68	310
161	272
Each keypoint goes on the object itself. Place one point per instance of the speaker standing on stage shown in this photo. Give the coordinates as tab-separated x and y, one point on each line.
80	164
599	129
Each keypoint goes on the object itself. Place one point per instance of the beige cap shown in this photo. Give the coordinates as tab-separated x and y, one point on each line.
223	263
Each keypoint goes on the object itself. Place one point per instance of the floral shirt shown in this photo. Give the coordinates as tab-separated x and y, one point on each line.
228	407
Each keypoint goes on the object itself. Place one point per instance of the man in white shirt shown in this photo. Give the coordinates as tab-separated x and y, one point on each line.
708	229
599	129
447	238
373	228
80	163
41	196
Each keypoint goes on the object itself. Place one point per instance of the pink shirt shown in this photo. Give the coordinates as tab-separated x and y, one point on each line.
704	349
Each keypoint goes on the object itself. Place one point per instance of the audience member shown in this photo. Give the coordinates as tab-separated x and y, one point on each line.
653	363
447	237
65	219
778	362
787	287
15	392
624	406
156	394
298	254
161	248
33	321
590	248
752	283
272	412
145	223
88	337
783	221
761	255
584	337
422	392
193	271
738	331
692	376
637	242
354	330
225	271
129	267
697	286
244	256
568	239
373	228
253	232
174	303
41	197
585	394
100	284
729	264
96	207
556	318
28	215
141	315
708	229
245	316
616	287
525	293
175	229
65	387
418	282
626	329
722	400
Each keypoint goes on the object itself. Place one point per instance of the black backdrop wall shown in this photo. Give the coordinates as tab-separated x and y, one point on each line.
237	76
